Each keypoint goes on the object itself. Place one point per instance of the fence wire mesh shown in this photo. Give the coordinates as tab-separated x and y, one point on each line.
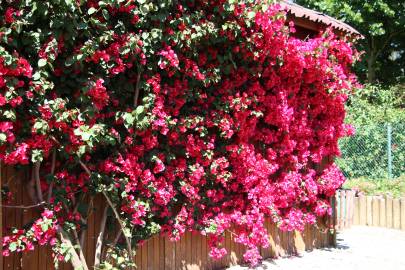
375	152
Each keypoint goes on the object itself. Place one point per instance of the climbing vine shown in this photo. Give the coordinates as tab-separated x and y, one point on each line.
181	115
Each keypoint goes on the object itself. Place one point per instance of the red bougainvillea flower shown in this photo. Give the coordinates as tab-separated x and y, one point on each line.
206	116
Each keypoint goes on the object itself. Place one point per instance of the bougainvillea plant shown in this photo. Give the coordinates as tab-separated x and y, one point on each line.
183	116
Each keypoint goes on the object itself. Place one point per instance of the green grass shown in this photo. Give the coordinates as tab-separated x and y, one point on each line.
394	187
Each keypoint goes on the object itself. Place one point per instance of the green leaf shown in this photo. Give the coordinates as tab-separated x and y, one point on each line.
91	11
12	247
37	155
251	14
106	15
42	62
3	137
36	76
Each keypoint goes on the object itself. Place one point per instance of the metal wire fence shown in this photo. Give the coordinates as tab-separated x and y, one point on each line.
375	152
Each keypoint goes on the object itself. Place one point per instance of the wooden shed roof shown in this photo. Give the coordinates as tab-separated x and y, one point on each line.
312	20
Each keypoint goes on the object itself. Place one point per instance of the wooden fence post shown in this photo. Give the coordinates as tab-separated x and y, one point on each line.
342	219
363	210
369	210
389	212
383	221
352	205
403	214
337	209
375	211
396	207
349	208
356	219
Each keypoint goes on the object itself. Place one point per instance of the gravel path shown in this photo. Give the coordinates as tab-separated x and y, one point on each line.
358	248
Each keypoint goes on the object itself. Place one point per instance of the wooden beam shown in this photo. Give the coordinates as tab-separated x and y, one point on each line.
304	23
313	27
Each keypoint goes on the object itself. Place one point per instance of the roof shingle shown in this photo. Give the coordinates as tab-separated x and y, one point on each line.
317	17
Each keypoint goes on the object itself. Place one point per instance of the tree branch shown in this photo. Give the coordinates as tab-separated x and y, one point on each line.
23	206
52	173
117	216
138	80
99	243
31	188
37	167
77	262
81	255
117	237
386	42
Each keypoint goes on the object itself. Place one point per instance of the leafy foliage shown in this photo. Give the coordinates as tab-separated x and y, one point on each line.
376	104
370	110
182	115
382	23
384	186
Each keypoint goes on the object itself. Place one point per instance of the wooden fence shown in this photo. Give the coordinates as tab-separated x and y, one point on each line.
158	253
344	208
381	211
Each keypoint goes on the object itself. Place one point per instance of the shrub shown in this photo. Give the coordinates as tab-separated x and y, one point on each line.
183	115
392	187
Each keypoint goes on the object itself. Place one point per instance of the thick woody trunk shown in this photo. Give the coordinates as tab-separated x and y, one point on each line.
371	68
371	61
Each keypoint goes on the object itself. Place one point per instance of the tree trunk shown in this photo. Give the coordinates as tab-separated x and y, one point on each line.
371	67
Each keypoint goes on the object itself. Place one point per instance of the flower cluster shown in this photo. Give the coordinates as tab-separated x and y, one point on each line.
42	232
196	116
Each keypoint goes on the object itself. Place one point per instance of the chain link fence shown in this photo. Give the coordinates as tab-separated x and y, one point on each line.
375	152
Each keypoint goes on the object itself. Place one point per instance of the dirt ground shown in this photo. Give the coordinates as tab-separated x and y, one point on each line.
359	248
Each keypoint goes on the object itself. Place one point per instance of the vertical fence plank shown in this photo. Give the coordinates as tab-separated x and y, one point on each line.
144	256
29	260
356	218
332	223
151	253
369	210
90	233
346	216
383	215
9	219
18	213
199	250
396	212
266	251
138	258
162	252
299	242
232	251
375	211
403	214
272	248
363	210
342	219
337	207
156	252
170	253
189	251
204	252
351	208
390	222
